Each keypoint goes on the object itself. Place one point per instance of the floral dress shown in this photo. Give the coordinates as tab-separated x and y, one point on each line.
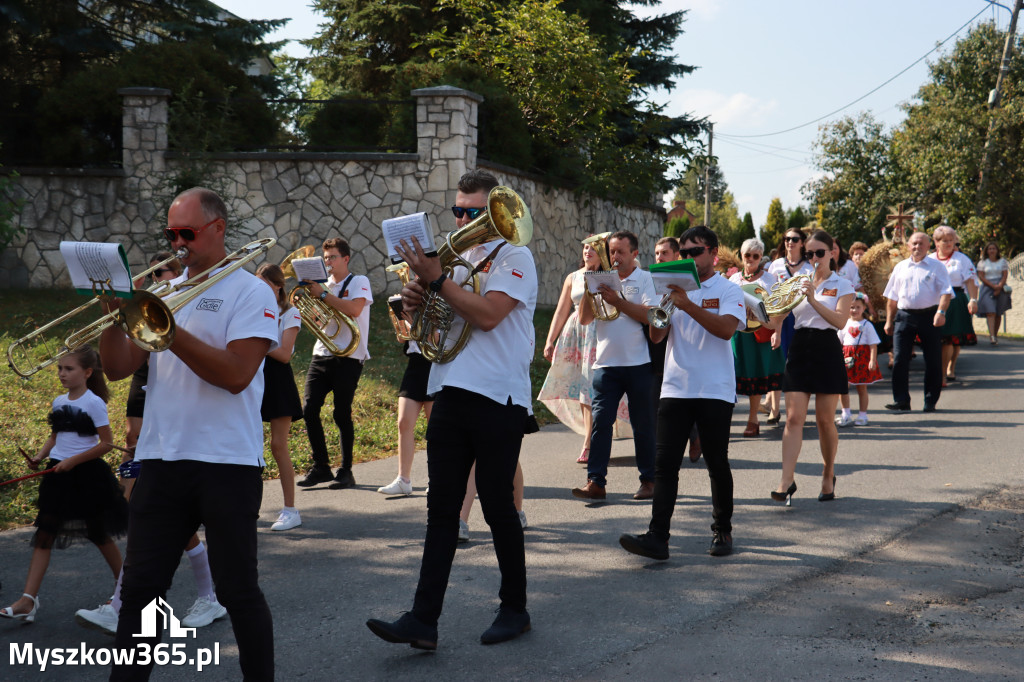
569	382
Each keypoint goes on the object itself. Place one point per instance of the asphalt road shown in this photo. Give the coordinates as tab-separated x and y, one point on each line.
916	571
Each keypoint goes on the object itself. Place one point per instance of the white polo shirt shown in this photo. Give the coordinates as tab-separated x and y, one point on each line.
496	364
828	294
358	287
959	268
917	285
620	342
87	408
187	418
782	270
698	364
851	272
289	319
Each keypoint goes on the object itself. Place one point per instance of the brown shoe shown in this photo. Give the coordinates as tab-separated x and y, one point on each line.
646	491
591	491
752	430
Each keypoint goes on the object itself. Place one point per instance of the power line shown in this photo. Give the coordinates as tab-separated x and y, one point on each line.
762	152
847	106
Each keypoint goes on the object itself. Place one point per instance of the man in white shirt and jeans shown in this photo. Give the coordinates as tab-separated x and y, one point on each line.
201	445
622	366
918	295
481	402
351	295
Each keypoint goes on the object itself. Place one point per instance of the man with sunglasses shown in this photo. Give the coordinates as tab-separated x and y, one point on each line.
351	295
201	445
481	404
699	389
622	367
917	297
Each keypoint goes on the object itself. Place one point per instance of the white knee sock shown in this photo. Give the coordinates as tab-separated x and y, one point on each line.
115	601
200	561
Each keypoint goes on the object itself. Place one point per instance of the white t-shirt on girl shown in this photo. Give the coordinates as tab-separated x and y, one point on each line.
87	407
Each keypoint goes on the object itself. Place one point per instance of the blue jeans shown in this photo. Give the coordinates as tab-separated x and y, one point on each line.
610	383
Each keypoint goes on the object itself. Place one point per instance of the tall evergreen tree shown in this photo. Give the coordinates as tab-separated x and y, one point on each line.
774	228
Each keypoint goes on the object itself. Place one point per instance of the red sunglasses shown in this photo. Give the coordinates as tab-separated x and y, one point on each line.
186	233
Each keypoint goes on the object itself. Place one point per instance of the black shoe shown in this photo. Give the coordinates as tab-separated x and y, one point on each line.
344	479
787	496
406	630
721	544
317	474
928	408
898	407
508	625
828	497
645	545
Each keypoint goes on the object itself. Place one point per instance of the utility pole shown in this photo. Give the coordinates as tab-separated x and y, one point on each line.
707	172
993	104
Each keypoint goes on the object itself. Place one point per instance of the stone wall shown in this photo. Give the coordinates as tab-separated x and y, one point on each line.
302	198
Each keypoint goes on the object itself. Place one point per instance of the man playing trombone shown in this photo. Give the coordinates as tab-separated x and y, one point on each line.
201	445
481	403
623	366
350	295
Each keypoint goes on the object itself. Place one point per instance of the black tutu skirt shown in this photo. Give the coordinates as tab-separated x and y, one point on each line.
815	363
86	503
414	381
280	396
136	396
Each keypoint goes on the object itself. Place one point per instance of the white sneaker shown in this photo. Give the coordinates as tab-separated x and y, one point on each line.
102	618
203	612
396	487
522	518
463	531
287	520
844	420
861	421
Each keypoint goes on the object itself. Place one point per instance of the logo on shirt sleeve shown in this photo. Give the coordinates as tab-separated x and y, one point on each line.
517	273
267	312
829	292
211	304
709	303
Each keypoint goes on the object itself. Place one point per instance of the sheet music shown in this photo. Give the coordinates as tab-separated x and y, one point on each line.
406	227
595	279
310	269
683	280
755	306
91	263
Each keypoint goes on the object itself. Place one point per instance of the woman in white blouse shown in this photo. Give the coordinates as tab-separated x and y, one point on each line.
995	298
959	328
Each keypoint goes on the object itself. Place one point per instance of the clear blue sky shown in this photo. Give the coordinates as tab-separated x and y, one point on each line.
770	66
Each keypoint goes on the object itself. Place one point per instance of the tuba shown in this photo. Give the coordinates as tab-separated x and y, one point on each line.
507	217
147	319
403	329
317	315
602	310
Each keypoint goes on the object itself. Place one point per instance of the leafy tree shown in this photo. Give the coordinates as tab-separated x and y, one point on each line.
774	228
747	231
725	218
796	217
725	221
676	227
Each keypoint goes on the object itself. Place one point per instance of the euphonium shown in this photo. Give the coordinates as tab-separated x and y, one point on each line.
319	318
402	327
602	310
507	217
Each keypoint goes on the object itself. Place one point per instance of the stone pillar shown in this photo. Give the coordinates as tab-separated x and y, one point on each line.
144	119
446	130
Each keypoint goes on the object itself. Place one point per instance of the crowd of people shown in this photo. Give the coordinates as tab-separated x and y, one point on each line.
614	373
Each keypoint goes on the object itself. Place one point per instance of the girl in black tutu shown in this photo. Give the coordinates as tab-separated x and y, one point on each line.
80	498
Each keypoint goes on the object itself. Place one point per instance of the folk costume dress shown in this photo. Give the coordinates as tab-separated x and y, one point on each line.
570	379
959	327
759	367
857	339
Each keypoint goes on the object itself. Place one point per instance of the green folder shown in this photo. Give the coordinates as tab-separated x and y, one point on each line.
682	273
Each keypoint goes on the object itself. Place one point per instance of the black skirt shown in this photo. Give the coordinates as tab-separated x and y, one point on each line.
414	381
84	503
280	396
815	363
136	396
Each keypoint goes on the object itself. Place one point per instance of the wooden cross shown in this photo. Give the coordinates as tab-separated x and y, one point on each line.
898	220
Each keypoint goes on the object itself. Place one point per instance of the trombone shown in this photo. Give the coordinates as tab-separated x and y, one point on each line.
147	318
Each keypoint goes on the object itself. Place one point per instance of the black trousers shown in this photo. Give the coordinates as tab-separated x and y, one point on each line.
329	374
676	418
907	325
464	428
169	502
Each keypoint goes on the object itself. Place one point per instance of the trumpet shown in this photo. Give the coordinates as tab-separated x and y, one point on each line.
660	316
602	310
147	318
403	330
507	217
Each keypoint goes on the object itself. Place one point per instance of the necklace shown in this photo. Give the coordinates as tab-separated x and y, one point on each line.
946	258
750	278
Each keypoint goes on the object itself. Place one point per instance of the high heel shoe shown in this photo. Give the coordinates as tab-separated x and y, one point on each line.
825	497
584	456
774	418
8	612
787	496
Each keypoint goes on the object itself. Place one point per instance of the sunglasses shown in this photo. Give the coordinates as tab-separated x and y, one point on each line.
186	233
692	252
473	213
793	240
819	253
751	256
159	272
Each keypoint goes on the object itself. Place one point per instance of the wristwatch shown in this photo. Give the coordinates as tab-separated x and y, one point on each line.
942	312
323	295
435	286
